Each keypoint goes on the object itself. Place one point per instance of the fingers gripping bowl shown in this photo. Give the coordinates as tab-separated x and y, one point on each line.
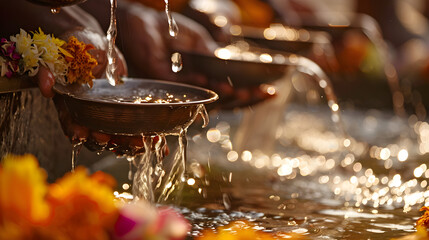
138	106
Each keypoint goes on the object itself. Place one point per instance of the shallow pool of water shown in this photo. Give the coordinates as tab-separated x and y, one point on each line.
315	181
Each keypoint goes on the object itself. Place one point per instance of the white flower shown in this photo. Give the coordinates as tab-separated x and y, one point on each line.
23	41
51	58
29	52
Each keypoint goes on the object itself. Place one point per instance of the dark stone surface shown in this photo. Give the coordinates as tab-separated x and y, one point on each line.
29	124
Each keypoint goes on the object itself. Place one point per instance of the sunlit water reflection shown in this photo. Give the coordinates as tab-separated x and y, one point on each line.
316	183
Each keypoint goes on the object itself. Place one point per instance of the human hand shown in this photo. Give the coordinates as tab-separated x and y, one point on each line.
46	80
121	145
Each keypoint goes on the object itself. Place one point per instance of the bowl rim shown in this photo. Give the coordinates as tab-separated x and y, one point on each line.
242	61
257	33
59	88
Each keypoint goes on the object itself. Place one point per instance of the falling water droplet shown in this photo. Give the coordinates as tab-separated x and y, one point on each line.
176	62
130	172
203	113
226	201
197	169
130	167
75	152
55	10
230	81
173	29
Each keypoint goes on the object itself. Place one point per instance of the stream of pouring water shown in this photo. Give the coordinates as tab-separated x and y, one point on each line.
150	163
111	69
150	175
397	89
307	66
151	180
156	178
75	152
173	30
257	125
371	30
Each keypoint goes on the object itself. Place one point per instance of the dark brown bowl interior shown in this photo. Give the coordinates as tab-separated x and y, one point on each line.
91	107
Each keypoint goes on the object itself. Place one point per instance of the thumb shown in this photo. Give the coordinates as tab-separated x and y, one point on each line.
46	80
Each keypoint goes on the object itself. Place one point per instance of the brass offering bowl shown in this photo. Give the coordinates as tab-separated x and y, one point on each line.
282	38
238	73
56	3
113	110
336	29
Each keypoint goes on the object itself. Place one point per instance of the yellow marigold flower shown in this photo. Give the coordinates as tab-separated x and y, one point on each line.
82	206
81	63
41	37
28	50
50	48
22	197
23	187
242	230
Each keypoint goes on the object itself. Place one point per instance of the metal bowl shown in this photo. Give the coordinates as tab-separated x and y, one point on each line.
301	42
336	29
239	73
110	109
56	3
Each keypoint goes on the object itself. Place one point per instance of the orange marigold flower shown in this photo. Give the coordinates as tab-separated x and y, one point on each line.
424	219
242	230
420	234
83	206
81	64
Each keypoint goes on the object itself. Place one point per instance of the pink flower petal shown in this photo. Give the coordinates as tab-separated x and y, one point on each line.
124	225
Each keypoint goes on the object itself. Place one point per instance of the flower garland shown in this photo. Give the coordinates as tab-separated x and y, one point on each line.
68	61
77	207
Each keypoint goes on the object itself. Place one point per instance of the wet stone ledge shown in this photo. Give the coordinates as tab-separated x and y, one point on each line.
29	124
